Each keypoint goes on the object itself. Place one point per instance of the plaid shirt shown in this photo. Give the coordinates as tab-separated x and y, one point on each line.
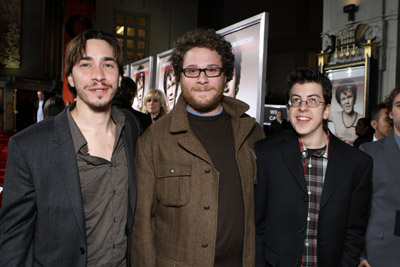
314	166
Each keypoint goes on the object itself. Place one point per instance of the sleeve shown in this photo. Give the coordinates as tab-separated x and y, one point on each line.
260	194
17	216
358	216
143	251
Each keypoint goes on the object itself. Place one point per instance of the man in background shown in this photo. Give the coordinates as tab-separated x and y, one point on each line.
124	100
383	232
40	106
380	122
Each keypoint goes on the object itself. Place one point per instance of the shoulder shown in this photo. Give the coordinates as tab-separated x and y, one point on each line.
347	151
276	140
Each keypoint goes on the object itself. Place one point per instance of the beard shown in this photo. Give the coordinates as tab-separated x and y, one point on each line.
101	103
203	105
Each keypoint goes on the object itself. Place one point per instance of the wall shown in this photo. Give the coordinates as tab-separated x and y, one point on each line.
382	19
168	19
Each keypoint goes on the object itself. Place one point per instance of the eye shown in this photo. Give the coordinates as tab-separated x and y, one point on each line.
295	100
313	100
84	64
191	70
212	70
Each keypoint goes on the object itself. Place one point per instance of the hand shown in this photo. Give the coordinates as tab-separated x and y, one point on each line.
364	263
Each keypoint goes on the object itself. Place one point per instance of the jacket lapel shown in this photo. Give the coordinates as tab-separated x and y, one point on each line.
65	158
335	171
391	155
290	150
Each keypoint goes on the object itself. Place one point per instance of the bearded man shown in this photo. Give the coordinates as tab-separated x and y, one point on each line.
196	167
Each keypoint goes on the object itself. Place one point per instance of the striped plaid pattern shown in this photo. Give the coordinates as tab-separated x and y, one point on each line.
314	166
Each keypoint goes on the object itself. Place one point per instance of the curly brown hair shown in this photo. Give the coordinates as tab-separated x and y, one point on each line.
390	98
205	38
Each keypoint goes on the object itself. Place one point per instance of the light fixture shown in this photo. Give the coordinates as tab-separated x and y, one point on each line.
350	9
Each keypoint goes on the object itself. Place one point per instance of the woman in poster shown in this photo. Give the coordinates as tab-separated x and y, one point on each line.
345	121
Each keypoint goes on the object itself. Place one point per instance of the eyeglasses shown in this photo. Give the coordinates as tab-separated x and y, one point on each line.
195	73
311	102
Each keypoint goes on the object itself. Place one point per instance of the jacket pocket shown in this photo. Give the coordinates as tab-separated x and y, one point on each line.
375	231
173	183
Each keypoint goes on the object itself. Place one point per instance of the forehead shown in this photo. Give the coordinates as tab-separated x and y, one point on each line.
97	47
346	92
201	57
307	89
396	99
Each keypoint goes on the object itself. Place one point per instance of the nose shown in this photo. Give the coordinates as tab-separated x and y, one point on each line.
98	74
202	77
303	105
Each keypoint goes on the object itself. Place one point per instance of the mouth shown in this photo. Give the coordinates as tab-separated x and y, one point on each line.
302	119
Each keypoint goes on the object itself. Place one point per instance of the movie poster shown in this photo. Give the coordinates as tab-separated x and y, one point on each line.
249	44
141	73
165	79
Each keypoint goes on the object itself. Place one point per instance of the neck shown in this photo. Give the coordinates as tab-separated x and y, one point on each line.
92	120
396	131
153	115
317	140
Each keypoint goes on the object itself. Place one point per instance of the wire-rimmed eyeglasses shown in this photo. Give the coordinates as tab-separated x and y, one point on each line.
311	102
195	73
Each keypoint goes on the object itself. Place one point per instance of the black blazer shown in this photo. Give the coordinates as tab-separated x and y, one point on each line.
281	203
42	219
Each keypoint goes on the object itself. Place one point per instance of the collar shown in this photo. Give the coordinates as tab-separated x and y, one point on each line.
79	140
322	152
396	139
179	123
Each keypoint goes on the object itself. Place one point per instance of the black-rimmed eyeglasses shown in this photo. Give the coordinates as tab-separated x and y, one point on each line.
311	102
195	73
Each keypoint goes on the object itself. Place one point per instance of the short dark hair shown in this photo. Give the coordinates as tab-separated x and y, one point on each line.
343	86
167	73
376	111
128	88
309	75
205	39
77	47
390	98
53	106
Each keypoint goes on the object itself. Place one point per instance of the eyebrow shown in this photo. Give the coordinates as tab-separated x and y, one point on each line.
307	96
194	66
103	58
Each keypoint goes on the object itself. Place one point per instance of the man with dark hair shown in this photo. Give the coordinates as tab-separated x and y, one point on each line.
312	189
124	100
383	232
380	122
70	186
196	167
40	106
170	88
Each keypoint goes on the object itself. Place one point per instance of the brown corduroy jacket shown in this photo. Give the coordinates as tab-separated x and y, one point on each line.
176	180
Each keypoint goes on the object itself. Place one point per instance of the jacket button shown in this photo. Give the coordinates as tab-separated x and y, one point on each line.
82	250
204	245
207	170
301	230
206	207
296	263
171	170
304	199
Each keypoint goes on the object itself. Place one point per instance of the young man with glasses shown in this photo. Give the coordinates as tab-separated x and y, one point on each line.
196	167
313	190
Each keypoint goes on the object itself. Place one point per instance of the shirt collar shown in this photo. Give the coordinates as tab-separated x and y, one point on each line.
322	152
396	139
